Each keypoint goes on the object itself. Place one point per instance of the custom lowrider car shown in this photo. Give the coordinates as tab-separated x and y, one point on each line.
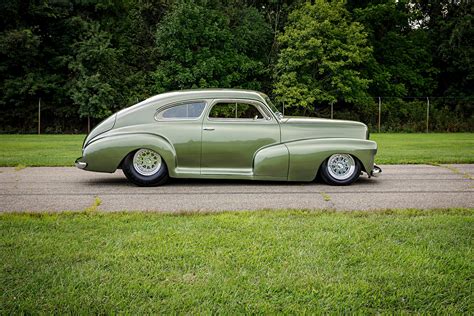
226	134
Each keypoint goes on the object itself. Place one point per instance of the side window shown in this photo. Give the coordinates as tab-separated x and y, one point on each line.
248	111
223	110
182	111
235	111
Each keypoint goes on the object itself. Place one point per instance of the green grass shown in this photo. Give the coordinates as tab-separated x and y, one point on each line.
424	148
40	150
62	150
288	262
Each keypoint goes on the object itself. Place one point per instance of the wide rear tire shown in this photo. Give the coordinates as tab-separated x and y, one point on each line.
145	167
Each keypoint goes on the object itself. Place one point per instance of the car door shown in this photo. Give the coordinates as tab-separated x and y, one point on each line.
232	132
181	124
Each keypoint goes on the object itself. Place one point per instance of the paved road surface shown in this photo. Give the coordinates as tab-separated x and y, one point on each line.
400	186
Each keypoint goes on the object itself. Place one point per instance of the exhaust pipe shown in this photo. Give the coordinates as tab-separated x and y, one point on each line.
376	171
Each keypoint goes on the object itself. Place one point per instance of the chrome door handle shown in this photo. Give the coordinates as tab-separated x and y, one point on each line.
208	128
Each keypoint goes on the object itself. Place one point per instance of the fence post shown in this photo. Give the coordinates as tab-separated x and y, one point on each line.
283	113
88	124
380	113
332	110
427	114
39	116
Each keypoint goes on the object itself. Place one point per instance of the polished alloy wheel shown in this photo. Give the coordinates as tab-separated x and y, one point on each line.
146	162
341	166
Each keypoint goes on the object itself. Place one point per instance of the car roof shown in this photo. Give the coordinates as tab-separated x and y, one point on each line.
208	93
191	94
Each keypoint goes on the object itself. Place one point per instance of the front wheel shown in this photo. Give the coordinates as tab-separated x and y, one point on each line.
340	169
145	167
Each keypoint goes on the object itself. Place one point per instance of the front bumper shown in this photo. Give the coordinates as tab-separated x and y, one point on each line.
376	171
80	164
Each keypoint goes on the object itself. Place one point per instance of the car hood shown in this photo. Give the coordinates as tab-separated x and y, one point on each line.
317	120
294	128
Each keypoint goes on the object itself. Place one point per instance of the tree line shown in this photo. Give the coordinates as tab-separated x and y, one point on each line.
89	58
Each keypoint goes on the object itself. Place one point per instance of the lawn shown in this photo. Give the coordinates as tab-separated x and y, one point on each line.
268	262
424	148
62	150
40	150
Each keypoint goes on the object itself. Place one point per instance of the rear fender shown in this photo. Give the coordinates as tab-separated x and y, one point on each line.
306	156
106	154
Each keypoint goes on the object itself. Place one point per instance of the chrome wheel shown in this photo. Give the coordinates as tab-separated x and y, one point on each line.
341	166
146	162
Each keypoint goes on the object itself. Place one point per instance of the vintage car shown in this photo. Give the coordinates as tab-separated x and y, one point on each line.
226	134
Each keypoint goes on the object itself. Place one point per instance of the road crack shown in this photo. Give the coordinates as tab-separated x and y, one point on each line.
327	198
95	205
455	170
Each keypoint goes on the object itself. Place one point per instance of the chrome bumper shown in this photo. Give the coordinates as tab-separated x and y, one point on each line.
376	171
80	164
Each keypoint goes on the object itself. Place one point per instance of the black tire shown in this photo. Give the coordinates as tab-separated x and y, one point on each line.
331	180
159	178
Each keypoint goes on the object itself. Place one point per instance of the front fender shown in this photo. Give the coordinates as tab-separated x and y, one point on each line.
272	162
306	156
105	154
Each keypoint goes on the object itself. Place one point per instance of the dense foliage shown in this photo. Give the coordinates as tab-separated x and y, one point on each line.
321	51
85	59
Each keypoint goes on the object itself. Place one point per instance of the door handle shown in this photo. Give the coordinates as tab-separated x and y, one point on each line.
208	128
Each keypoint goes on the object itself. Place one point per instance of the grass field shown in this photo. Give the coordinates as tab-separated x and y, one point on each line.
40	150
62	150
424	148
268	262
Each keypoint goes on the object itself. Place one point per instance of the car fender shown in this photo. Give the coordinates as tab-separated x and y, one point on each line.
106	153
272	161
306	156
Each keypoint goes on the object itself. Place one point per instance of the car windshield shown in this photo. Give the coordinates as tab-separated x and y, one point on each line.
273	107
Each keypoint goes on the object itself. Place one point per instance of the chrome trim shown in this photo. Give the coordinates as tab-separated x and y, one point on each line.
376	171
80	164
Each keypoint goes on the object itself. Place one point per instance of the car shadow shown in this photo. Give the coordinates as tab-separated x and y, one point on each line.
108	181
174	182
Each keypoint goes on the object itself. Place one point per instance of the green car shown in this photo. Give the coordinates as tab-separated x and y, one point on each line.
226	134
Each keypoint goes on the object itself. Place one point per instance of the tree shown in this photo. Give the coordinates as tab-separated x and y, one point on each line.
31	44
211	45
91	58
451	30
96	66
401	64
137	41
320	58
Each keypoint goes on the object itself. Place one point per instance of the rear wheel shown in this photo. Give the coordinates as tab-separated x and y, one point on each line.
145	167
340	169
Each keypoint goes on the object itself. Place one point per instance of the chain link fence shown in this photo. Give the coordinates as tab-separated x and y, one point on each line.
381	114
393	114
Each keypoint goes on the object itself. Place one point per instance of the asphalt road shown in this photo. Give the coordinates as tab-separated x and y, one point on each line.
399	186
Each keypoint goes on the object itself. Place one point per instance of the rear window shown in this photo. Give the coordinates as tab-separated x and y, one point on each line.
182	111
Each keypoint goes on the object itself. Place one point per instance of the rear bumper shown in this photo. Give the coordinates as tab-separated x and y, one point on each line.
80	164
376	171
